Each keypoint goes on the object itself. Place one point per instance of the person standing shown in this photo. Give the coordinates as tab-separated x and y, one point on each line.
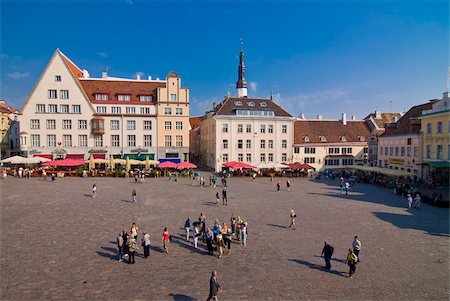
224	196
134	231
278	186
244	233
120	246
217	199
165	240
209	238
417	201
347	187
125	237
220	244
239	228
187	227
146	244
214	287
195	234
288	184
293	216
133	196
356	246
94	191
233	224
132	248
351	261
327	252
227	240
44	174
410	200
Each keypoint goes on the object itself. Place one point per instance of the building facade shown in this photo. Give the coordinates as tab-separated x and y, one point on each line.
9	129
330	143
435	133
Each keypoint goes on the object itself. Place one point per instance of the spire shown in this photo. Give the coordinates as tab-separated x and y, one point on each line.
241	84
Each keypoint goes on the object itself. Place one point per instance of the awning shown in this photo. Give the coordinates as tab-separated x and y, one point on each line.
385	171
438	164
98	156
75	156
141	156
46	156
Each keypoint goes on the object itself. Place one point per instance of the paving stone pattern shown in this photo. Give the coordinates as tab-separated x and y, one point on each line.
57	243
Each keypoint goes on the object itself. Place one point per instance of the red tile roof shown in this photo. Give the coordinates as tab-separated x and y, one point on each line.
77	72
409	122
385	118
229	105
332	130
195	121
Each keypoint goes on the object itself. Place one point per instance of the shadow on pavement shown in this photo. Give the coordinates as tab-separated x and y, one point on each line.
181	297
112	253
334	259
181	241
279	226
126	201
157	249
317	267
209	204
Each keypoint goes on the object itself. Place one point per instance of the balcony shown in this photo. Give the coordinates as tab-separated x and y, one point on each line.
98	126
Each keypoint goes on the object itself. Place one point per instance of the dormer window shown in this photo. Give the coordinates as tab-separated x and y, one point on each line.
263	104
251	104
323	139
362	139
101	96
306	138
238	103
343	139
123	97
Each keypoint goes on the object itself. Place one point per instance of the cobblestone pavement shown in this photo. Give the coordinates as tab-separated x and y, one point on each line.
59	243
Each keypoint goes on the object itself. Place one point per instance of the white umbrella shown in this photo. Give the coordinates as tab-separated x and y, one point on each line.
38	160
22	160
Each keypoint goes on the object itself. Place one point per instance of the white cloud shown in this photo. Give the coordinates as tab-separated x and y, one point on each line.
253	86
102	54
18	75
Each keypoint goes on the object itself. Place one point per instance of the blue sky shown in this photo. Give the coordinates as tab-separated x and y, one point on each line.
317	57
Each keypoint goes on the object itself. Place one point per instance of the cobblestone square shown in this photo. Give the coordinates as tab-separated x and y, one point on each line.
57	243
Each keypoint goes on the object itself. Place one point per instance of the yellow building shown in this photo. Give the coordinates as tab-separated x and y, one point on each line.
9	130
173	120
435	133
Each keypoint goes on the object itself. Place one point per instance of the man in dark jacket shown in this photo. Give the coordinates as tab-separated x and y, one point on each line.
224	197
327	252
214	287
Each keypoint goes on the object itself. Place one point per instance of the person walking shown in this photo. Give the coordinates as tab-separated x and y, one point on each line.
44	174
146	244
224	196
217	199
94	191
351	261
410	200
209	238
278	186
288	185
166	240
120	246
195	234
187	227
133	196
132	248
244	233
356	246
327	252
347	187
417	201
293	216
214	287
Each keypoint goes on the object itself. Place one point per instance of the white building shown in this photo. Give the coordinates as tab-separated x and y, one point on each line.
251	130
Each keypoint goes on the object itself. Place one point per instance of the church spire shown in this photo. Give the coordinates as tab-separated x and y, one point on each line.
241	84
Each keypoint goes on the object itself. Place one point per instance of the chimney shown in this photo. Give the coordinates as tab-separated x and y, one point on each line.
104	74
138	76
157	78
353	117
377	114
214	105
395	118
319	117
149	77
344	119
446	95
85	73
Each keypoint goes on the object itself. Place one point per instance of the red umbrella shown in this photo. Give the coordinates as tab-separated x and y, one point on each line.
237	165
296	166
64	163
307	166
186	165
167	164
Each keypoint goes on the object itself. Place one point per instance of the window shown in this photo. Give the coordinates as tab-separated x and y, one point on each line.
343	139
263	144
248	144
64	94
429	128
131	140
67	124
284	144
76	109
148	140
52	108
309	160
65	109
349	150
98	140
439	151
225	158
35	141
239	144
67	140
240	157
178	125
179	111
116	110
331	161
262	157
34	124
82	141
131	125
306	138
238	103
101	110
251	104
52	94
225	143
312	150
179	140
248	128
130	110
270	143
284	129
101	96
396	150
167	125
296	150
248	157
147	125
40	108
114	124
263	128
366	150
123	97
322	139
225	128
51	140
57	78
270	129
270	157
167	140
408	151
344	150
115	141
439	127
284	157
173	97
409	141
240	128
428	151
416	151
347	161
51	124
167	111
402	151
145	110
145	98
82	124
263	104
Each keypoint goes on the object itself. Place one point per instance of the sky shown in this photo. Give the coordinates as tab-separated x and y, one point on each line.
314	57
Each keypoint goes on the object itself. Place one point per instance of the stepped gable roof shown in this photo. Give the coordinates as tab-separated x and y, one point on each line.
195	121
230	104
332	130
116	87
409	123
385	118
